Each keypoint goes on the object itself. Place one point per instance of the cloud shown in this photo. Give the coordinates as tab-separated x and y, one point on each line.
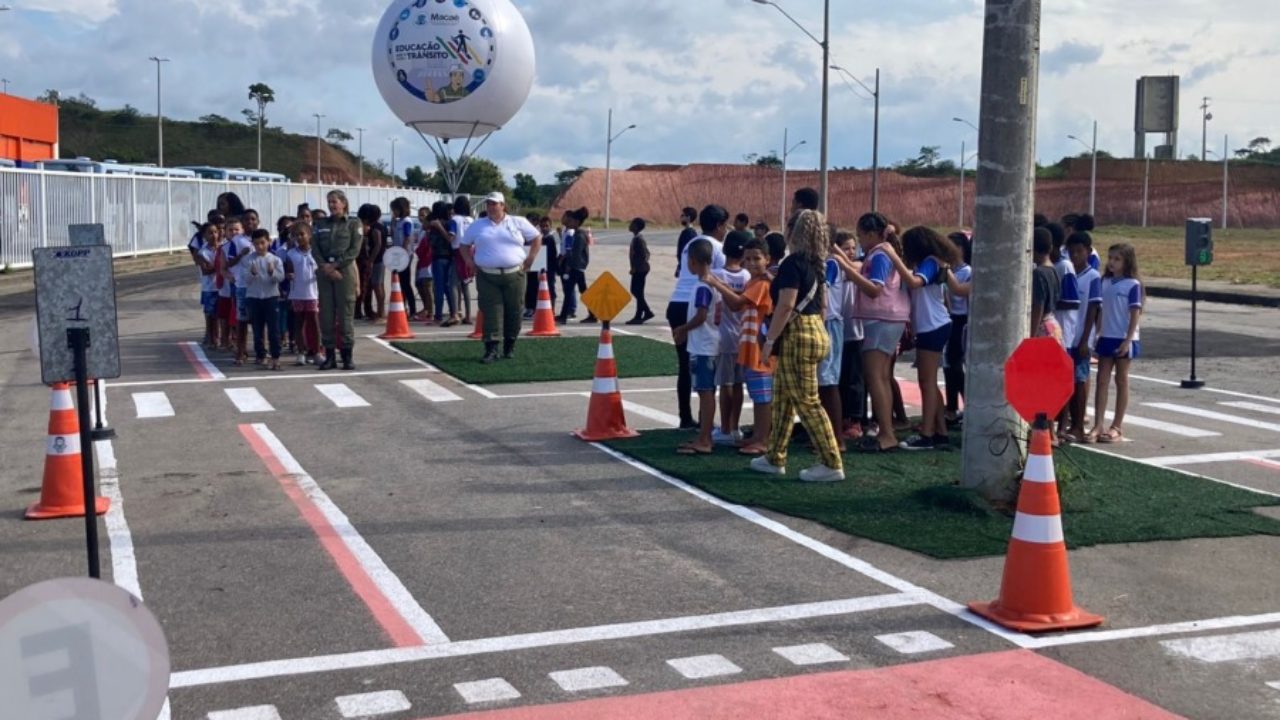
1069	55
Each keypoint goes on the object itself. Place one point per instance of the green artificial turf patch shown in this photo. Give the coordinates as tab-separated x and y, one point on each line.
910	500
546	359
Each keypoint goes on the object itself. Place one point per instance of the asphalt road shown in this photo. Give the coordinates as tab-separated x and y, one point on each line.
462	552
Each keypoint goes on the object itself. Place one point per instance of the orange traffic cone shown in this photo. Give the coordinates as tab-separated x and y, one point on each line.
478	331
605	420
62	493
397	320
1035	594
544	318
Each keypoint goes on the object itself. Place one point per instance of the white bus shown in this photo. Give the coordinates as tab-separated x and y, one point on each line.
111	167
235	174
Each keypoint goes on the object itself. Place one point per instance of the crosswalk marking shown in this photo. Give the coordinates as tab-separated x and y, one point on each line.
152	405
813	654
249	400
371	704
648	412
342	396
1168	427
1255	407
1204	458
1214	415
430	390
590	678
257	712
482	691
910	643
1228	648
704	666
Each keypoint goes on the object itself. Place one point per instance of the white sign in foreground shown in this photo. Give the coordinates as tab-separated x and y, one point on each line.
83	649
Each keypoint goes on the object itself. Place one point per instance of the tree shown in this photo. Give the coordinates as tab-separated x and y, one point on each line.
416	177
381	165
50	97
339	136
1260	145
215	119
483	177
526	191
928	163
128	115
565	178
992	456
262	94
770	161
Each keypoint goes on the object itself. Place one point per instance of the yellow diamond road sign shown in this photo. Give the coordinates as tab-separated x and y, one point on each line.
606	297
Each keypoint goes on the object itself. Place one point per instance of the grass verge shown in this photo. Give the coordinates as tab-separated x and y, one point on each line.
546	359
909	500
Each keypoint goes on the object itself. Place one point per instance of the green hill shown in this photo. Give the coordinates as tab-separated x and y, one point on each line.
128	136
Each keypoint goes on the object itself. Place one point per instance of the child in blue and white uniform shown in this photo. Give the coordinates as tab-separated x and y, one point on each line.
1118	343
1089	288
959	286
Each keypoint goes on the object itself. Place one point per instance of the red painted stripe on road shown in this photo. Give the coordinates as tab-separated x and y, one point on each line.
1263	462
399	630
201	372
1012	685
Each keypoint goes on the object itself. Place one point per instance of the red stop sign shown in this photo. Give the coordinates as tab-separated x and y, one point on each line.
1038	378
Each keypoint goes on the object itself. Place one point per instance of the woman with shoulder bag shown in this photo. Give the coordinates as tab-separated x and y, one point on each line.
798	327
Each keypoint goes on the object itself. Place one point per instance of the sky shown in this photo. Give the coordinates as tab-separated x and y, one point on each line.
704	81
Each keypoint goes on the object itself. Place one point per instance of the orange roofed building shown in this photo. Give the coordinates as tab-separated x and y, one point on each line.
28	130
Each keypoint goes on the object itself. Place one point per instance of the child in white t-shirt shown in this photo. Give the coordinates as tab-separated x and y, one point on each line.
304	298
206	257
701	334
729	374
1118	338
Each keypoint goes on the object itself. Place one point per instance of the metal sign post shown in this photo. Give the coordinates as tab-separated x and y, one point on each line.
82	236
76	317
1199	251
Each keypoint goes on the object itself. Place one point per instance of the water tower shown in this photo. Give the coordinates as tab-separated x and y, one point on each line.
1157	112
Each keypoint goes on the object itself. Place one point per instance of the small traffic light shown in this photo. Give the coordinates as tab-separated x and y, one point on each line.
1199	248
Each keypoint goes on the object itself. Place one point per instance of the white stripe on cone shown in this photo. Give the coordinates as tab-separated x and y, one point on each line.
1039	469
1040	529
605	352
604	386
62	445
544	303
395	307
61	400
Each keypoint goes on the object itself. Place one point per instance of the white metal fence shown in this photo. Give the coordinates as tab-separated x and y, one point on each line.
143	215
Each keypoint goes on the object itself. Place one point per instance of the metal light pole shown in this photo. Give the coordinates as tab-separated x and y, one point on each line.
5	81
1146	189
875	133
360	162
1225	157
317	116
393	140
608	165
159	116
1093	173
825	44
963	161
1205	117
786	152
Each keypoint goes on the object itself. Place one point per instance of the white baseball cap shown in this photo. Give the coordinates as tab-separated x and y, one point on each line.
495	197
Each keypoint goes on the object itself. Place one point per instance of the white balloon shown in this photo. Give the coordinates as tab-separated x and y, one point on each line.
453	68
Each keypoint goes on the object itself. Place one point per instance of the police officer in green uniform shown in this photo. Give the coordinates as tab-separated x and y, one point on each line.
337	242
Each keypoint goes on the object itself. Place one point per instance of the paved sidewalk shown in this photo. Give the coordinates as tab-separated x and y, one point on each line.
1215	291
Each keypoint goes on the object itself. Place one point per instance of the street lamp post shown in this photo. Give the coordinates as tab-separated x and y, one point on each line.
1093	171
5	81
360	160
393	140
825	44
875	133
786	152
963	161
1205	117
608	165
159	116
318	117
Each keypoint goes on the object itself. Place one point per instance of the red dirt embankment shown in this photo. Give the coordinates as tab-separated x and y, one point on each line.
1178	190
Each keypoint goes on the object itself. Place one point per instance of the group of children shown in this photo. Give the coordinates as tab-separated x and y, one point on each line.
887	293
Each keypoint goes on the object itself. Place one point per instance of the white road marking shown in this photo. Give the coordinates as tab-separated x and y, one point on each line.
485	691
302	374
1214	415
1180	471
1222	623
403	354
257	712
431	391
1255	407
580	393
590	678
386	581
912	643
249	400
1274	685
372	704
152	405
1211	389
924	596
197	355
1203	458
597	633
704	666
657	415
1228	648
1162	426
812	654
342	396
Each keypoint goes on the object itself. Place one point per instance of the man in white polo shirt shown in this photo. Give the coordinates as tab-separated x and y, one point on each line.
499	248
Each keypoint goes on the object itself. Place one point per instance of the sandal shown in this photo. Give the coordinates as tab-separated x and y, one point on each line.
692	450
752	450
1111	436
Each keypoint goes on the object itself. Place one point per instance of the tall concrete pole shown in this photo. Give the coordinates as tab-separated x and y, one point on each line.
999	309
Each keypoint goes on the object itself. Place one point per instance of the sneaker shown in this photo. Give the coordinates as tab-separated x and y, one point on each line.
528	315
941	442
821	474
917	442
302	360
313	359
762	465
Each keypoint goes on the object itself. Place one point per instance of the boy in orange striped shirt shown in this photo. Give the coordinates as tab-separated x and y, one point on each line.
756	306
